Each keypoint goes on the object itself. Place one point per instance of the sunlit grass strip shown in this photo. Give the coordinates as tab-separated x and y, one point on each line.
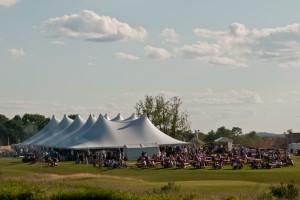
17	178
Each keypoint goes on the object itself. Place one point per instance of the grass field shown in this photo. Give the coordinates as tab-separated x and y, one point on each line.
17	177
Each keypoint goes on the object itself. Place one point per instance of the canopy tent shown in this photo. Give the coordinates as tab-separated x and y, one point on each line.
110	134
134	151
75	136
132	117
226	141
67	133
102	133
118	118
49	127
223	140
60	128
106	116
196	141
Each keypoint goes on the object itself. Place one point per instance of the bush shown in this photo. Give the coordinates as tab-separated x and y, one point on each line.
20	196
170	188
282	191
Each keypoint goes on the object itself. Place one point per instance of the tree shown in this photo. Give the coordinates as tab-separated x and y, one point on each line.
32	123
39	120
210	137
4	132
3	119
236	131
15	126
165	114
19	128
252	134
224	132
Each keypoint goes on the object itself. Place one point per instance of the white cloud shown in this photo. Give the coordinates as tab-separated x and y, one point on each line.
125	56
197	50
16	53
170	35
8	3
154	52
57	42
209	53
233	97
240	47
88	25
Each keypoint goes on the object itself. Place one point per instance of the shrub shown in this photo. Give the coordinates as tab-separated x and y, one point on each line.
19	196
288	191
170	188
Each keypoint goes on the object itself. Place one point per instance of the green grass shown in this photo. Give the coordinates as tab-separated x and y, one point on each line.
17	177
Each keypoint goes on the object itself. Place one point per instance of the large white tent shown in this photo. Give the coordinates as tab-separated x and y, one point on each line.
59	129
49	127
118	118
132	117
101	133
106	134
134	151
76	136
67	133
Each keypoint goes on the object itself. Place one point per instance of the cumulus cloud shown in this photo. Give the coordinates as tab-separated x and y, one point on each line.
8	3
16	53
157	53
88	25
126	56
169	35
208	53
239	46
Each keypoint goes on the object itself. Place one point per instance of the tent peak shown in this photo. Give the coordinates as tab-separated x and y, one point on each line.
106	116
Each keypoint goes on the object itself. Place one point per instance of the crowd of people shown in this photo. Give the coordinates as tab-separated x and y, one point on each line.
215	157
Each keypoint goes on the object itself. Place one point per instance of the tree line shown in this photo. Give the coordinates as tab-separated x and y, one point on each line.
17	129
166	114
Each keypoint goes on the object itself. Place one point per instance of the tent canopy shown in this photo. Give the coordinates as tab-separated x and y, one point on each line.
52	124
223	140
100	133
110	134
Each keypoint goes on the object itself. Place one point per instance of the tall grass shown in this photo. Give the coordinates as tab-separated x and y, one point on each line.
70	180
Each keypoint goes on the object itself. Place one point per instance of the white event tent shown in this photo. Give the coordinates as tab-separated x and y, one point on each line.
59	129
49	127
73	128
100	133
75	136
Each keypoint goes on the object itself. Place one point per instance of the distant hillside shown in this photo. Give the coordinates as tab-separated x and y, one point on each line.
265	134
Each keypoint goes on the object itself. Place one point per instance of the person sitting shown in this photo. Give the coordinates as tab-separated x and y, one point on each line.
237	164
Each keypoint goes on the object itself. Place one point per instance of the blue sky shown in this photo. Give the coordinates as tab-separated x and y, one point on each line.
233	63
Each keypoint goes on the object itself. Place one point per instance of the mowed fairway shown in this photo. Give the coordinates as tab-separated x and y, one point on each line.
213	184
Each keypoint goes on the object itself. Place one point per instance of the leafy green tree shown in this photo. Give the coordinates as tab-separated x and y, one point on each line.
236	131
19	128
39	120
252	134
15	126
224	132
165	114
210	137
4	132
3	119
